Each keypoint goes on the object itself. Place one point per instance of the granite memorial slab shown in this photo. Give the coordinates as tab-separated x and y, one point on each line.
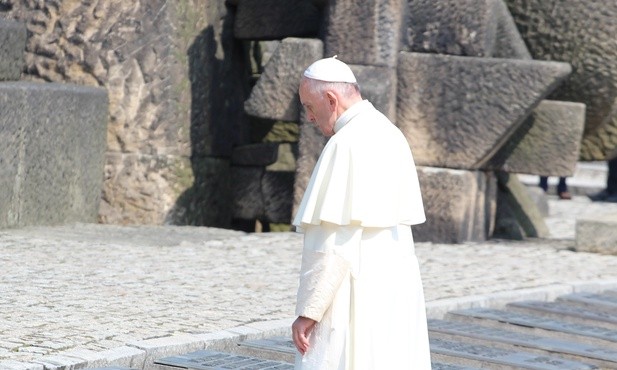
486	335
538	325
278	344
503	359
567	312
605	301
212	360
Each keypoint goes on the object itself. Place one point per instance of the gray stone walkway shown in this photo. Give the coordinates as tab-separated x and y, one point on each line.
94	295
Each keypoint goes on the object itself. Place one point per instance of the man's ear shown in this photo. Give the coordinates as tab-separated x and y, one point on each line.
332	100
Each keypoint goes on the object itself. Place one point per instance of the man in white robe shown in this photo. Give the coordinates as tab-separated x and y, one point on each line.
360	301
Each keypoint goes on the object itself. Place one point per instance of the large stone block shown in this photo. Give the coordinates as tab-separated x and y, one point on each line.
509	43
276	19
378	85
547	144
459	205
581	33
177	82
517	216
12	44
275	96
366	34
455	27
597	234
457	112
248	200
52	150
309	147
278	187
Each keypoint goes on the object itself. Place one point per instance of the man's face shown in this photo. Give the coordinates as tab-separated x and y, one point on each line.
319	109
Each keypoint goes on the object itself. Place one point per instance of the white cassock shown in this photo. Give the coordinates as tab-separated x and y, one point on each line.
360	277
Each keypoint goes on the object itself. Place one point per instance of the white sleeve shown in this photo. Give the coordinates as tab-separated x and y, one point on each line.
326	262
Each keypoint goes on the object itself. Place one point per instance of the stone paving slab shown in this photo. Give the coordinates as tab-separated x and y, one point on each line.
101	295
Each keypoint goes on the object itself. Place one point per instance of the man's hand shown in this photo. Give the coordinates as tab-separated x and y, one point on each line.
300	331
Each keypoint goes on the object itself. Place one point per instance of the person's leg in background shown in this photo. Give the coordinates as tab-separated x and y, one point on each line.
610	193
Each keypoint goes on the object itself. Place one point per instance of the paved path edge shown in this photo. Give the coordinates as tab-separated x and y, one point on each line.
142	354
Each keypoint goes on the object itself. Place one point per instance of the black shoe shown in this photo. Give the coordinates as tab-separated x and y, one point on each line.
601	196
611	198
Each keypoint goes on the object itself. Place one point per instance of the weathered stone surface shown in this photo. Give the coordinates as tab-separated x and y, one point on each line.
278	187
52	150
310	146
517	214
546	144
259	154
477	334
12	44
275	96
509	43
248	202
479	355
604	300
457	112
368	35
176	86
457	204
455	27
265	193
276	19
592	316
582	34
546	327
378	85
597	234
206	359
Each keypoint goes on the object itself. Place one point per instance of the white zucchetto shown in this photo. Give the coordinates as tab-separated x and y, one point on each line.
330	70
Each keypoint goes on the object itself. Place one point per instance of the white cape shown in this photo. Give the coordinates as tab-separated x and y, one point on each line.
360	277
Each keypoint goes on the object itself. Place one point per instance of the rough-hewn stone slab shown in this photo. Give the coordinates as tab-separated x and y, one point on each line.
478	334
378	85
459	205
248	202
212	360
478	355
12	44
597	234
518	215
259	154
276	19
277	188
567	312
455	27
508	41
457	112
581	33
546	144
367	34
310	146
543	326
52	148
275	96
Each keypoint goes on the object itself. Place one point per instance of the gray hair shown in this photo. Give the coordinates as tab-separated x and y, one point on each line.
318	87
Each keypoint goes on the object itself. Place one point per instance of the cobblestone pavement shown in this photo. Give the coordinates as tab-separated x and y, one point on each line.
93	288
